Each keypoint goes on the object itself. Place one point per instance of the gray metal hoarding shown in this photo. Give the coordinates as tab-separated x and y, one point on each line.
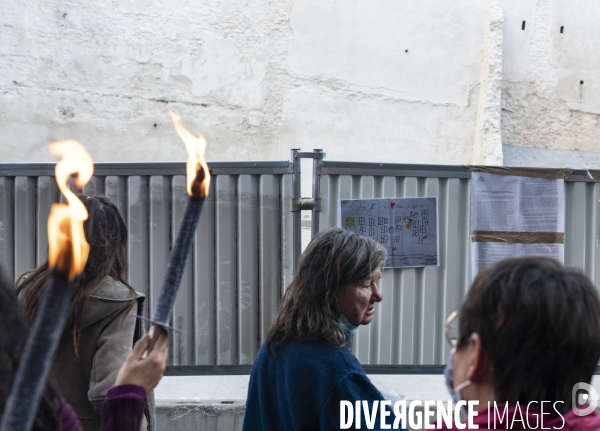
409	325
248	240
240	261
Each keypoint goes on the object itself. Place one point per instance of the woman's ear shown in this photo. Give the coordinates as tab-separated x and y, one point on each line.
478	361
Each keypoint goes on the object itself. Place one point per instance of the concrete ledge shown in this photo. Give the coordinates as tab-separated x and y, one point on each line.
221	400
235	388
173	416
214	416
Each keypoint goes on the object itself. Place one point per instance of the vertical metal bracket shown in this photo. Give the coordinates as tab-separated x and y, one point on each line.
297	203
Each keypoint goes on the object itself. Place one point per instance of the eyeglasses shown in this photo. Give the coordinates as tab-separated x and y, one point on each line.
451	328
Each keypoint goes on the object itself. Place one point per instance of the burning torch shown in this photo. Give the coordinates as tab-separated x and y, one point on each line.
67	255
198	186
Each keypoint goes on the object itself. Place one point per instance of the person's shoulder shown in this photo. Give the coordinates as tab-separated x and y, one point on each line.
110	298
113	290
262	354
322	355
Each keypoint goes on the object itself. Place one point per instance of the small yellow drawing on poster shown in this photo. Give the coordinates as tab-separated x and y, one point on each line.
350	222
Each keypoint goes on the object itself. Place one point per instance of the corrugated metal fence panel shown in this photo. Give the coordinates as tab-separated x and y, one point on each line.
204	280
25	223
409	327
7	214
47	194
582	229
236	273
248	270
242	258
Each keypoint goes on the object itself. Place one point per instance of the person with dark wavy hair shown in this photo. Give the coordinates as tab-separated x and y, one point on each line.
527	334
102	326
126	401
305	367
13	334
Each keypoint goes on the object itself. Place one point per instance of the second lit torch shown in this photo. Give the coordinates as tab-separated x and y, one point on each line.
198	186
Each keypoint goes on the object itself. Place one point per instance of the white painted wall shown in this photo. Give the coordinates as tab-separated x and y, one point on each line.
369	80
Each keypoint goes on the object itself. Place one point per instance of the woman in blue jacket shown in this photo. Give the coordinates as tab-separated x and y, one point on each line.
305	369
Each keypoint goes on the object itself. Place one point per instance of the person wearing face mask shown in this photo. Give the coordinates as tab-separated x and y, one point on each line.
527	333
305	367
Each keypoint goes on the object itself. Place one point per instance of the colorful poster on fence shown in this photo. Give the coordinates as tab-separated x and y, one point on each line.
406	227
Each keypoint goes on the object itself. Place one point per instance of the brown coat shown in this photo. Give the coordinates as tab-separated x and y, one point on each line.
107	336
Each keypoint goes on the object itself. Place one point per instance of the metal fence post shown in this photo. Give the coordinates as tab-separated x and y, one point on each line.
297	215
316	191
299	204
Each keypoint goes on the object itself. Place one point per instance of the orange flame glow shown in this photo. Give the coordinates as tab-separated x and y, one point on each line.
197	174
67	248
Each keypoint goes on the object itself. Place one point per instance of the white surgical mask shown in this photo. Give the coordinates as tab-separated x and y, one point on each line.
347	326
449	375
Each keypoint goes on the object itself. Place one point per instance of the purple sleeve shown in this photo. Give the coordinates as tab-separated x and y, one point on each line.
69	418
124	408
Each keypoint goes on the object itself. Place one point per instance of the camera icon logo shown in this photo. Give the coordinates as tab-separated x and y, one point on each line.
585	399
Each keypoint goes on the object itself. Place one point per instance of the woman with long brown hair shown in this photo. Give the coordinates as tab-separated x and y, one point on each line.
305	368
124	408
102	325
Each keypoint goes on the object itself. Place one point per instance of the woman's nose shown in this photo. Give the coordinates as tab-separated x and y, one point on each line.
376	296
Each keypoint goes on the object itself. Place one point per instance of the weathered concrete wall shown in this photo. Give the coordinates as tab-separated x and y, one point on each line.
551	88
533	156
410	81
487	148
256	78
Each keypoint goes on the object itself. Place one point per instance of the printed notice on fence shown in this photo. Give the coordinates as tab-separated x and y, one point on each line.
406	227
509	212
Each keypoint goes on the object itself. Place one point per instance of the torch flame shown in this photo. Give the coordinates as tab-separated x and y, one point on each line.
197	174
67	248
